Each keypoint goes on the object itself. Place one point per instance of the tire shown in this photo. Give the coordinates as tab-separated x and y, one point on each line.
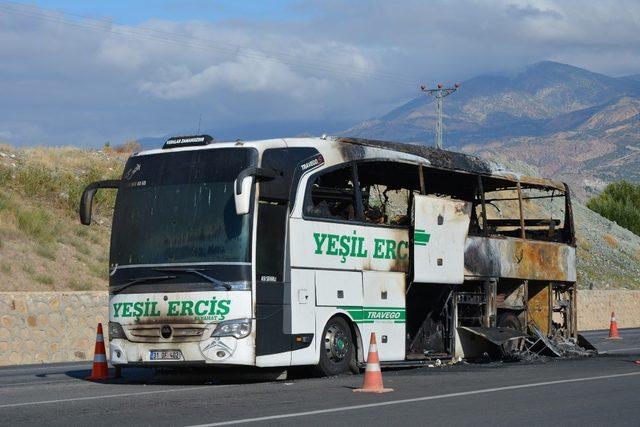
508	319
337	351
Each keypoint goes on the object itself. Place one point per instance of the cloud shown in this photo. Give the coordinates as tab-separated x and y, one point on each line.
70	80
244	75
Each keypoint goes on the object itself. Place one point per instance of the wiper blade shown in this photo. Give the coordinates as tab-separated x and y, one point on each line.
197	272
117	289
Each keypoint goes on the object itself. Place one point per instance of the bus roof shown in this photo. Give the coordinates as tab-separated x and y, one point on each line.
436	158
452	160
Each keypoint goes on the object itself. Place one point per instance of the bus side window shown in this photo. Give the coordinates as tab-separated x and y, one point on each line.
332	195
386	189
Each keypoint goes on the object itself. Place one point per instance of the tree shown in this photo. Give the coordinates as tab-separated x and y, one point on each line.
619	202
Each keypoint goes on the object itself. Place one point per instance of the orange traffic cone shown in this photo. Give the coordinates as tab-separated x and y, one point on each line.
613	329
100	370
373	374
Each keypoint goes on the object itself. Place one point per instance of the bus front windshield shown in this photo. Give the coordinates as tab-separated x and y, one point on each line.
178	207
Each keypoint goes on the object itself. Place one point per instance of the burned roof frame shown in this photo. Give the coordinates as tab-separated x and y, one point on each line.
460	162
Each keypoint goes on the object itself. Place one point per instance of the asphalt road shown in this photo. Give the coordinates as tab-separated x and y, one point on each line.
598	390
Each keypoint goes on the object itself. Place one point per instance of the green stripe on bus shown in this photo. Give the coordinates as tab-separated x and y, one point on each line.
421	237
372	314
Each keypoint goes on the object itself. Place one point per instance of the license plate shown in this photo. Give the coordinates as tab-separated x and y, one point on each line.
165	355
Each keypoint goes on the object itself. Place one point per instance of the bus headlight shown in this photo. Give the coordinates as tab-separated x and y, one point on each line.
233	328
116	331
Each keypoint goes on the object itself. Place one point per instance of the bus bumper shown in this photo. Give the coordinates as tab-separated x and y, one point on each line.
223	351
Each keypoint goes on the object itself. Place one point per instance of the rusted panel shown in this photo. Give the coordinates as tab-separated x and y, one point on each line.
519	259
539	297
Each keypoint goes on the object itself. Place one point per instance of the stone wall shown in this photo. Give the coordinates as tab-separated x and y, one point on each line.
37	327
595	307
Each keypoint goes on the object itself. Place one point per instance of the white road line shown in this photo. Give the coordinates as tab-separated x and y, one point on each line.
27	369
618	349
107	396
38	383
416	399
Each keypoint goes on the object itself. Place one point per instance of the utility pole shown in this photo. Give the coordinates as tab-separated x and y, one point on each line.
439	93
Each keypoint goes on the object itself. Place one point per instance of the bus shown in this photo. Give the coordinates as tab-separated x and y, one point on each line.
291	252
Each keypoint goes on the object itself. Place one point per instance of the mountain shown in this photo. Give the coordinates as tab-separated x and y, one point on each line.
571	123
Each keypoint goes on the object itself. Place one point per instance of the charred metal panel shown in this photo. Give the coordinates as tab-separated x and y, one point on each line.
439	234
437	157
497	336
519	259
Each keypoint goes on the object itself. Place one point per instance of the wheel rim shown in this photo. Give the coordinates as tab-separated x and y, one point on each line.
336	343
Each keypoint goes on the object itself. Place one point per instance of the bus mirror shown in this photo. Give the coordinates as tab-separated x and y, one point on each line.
86	201
243	184
243	199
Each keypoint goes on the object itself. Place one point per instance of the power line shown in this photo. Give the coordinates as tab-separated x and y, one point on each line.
178	39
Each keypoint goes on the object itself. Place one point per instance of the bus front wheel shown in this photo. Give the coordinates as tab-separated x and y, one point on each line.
337	352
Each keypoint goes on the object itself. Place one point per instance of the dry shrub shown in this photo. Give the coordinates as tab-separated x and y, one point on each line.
128	147
611	241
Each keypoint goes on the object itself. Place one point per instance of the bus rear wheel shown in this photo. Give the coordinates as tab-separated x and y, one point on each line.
337	352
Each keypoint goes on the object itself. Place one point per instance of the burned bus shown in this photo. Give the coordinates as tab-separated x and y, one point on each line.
291	252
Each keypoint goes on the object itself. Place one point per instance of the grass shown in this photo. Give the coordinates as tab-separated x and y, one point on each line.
45	279
5	268
36	223
61	174
98	269
28	269
77	285
80	246
46	251
66	187
5	202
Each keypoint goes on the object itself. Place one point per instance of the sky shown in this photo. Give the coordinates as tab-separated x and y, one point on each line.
87	72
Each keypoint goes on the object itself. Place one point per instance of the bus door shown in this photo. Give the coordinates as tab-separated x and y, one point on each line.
384	312
440	228
274	335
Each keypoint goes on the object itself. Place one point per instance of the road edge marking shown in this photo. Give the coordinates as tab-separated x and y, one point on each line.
107	396
411	400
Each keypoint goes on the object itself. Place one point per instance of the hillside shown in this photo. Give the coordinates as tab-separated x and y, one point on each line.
44	247
572	124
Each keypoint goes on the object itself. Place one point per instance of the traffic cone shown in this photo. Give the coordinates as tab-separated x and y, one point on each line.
100	370
613	329
373	374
